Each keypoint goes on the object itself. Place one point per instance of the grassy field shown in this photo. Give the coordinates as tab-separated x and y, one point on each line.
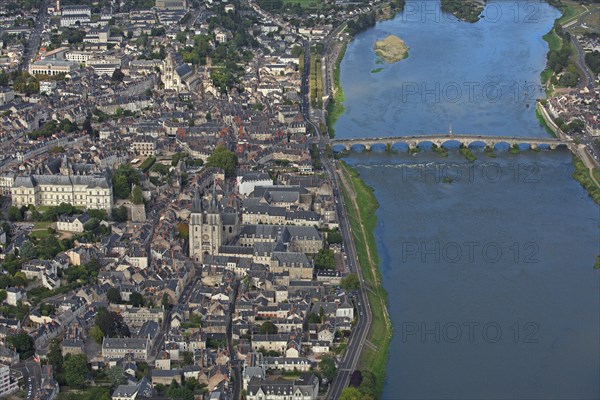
335	108
554	41
40	230
582	175
361	206
543	123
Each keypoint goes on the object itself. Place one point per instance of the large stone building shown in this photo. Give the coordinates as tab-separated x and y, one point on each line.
176	76
306	387
171	4
117	348
52	67
85	191
211	227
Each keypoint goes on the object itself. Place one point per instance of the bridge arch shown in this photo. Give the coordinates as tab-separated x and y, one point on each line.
476	144
400	146
339	148
452	144
358	147
501	146
379	147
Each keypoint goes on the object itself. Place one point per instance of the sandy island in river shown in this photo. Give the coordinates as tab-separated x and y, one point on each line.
391	49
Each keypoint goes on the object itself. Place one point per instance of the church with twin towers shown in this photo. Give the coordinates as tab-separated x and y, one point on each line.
211	225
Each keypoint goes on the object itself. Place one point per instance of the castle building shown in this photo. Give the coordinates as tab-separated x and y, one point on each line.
86	191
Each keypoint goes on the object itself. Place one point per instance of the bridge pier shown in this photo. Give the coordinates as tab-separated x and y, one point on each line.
367	147
553	146
533	146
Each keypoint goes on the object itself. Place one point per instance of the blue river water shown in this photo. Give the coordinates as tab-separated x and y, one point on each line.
489	265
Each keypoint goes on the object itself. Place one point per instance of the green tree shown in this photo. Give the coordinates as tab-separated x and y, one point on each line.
368	386
124	178
325	259
297	51
96	334
351	393
576	125
116	376
111	324
55	357
15	214
3	295
76	368
350	282
334	237
268	327
224	159
91	225
113	295
22	343
136	299
166	301
48	247
119	214
188	358
136	195
313	318
27	251
327	367
117	76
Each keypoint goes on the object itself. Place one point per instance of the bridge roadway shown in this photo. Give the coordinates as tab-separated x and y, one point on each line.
440	140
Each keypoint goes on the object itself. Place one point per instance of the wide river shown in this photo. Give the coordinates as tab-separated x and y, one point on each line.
488	266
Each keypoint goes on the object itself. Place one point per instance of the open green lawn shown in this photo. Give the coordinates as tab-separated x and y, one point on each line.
582	175
554	41
40	230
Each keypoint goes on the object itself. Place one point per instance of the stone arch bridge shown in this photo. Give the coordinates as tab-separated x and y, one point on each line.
440	140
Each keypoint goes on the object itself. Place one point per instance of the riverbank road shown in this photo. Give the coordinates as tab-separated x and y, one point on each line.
358	338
